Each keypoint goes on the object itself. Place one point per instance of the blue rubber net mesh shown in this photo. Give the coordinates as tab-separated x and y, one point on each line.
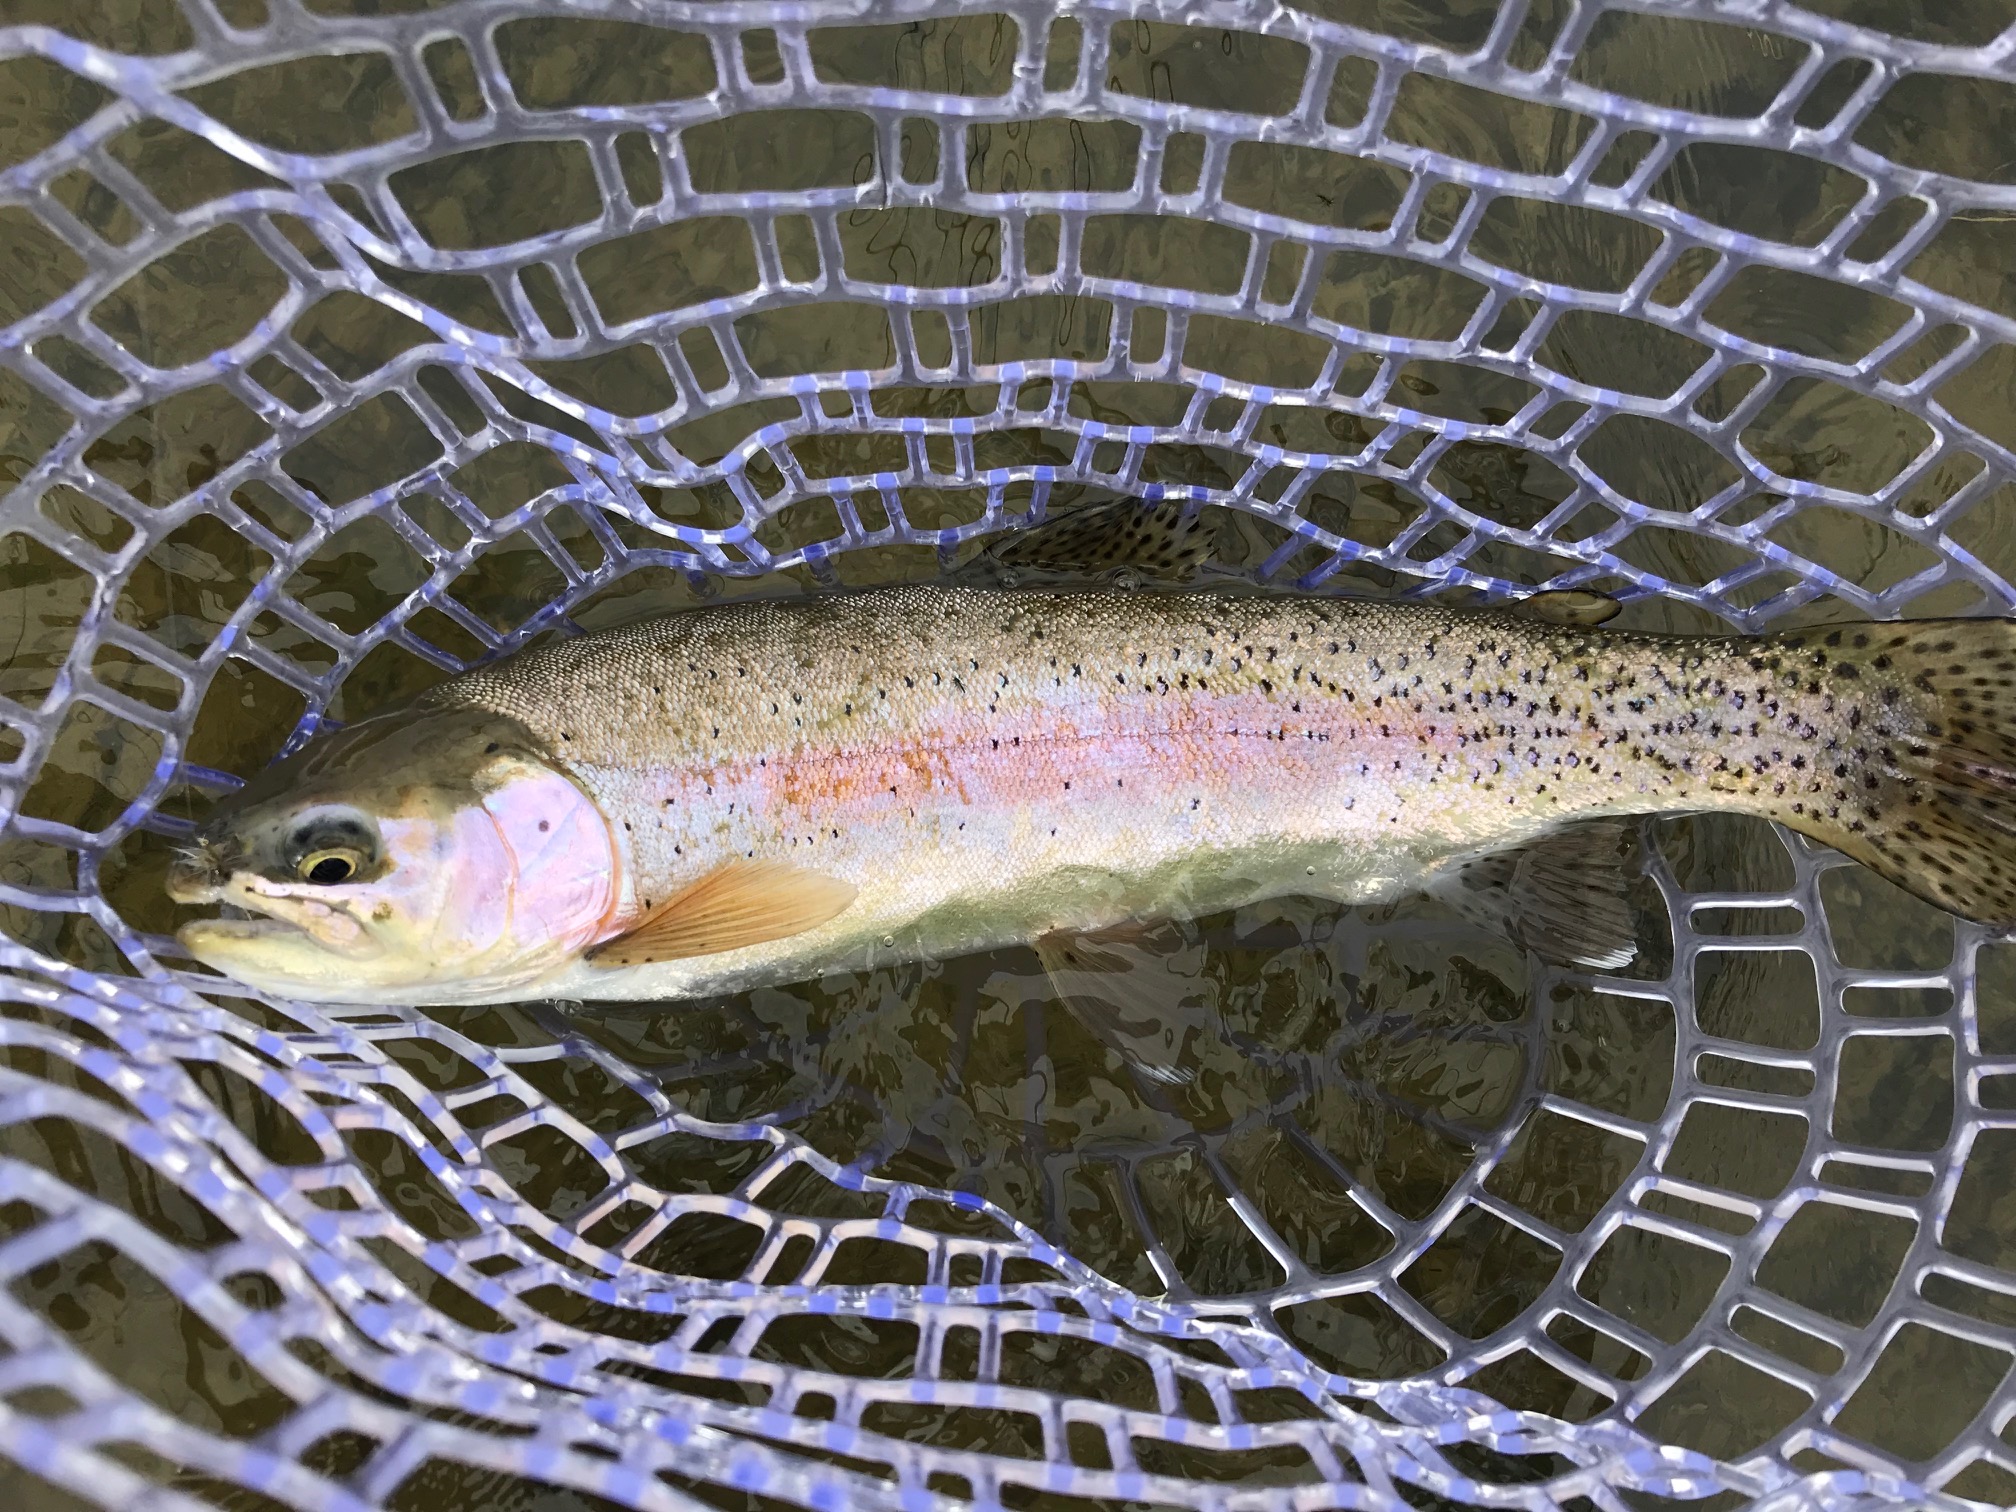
352	343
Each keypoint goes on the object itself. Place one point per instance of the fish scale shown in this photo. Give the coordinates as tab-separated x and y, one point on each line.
987	766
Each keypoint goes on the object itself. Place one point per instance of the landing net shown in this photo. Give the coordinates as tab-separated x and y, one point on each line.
348	343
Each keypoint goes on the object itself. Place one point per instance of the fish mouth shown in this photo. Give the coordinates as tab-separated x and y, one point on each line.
262	913
238	928
191	880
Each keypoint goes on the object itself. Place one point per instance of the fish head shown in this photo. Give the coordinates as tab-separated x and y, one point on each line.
436	855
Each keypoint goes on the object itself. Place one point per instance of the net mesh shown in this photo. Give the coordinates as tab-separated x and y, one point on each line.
352	343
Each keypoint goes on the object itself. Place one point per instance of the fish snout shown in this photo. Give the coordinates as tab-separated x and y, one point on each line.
201	870
194	877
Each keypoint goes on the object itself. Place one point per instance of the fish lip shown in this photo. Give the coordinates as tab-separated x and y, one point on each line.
201	869
259	927
193	885
275	912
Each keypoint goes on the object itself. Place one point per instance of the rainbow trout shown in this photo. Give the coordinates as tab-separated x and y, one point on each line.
759	793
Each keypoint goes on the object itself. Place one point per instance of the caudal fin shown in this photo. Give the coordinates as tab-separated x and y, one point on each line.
1927	792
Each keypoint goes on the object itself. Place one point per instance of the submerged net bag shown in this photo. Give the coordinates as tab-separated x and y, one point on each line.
346	343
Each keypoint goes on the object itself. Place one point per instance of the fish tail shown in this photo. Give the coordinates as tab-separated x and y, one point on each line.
1923	787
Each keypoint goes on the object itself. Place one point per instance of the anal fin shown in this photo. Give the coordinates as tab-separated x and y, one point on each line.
737	904
1564	897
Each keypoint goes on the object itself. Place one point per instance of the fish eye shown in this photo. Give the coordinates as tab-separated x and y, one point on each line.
329	847
328	868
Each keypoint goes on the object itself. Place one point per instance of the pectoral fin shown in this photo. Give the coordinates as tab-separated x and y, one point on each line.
1564	897
740	903
1122	985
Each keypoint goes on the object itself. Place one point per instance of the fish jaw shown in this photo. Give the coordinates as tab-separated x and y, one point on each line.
290	943
269	954
274	957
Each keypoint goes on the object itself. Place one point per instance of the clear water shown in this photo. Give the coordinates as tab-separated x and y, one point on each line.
1380	1047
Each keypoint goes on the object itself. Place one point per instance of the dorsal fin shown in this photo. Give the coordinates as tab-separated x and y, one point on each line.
739	903
1156	543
